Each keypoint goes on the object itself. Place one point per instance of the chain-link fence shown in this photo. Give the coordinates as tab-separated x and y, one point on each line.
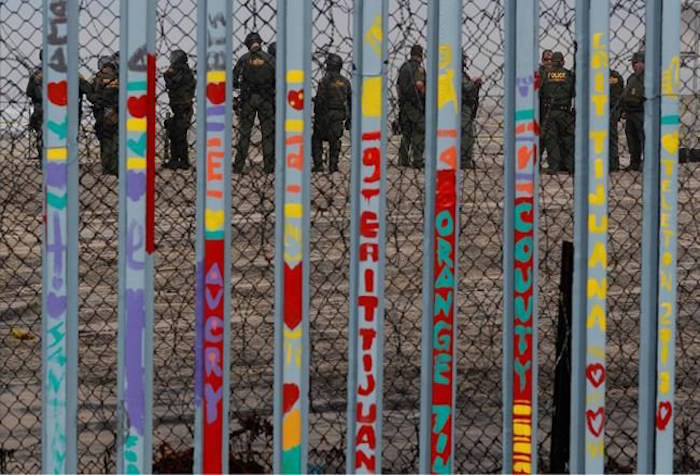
479	420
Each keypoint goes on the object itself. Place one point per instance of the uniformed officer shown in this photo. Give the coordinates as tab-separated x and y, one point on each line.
545	65
272	49
332	106
180	84
254	75
35	94
557	92
411	91
617	84
105	99
633	109
470	104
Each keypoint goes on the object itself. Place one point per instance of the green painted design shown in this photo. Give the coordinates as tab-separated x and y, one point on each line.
131	468
527	114
213	234
131	441
136	86
55	201
130	456
291	460
670	120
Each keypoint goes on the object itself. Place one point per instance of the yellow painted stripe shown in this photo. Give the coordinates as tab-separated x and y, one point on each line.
295	76
213	219
57	154
216	76
522	410
136	125
522	429
293	210
521	448
294	125
135	163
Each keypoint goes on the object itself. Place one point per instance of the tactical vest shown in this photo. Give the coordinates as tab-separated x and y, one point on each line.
337	92
557	88
259	72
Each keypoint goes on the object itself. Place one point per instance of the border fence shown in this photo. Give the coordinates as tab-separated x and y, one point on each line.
379	318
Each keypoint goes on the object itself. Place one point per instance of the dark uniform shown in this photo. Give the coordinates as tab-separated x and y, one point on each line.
180	84
272	49
36	121
545	65
411	91
332	106
633	107
558	89
98	111
470	103
617	84
105	100
254	75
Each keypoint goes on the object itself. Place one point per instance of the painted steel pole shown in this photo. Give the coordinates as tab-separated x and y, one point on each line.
367	237
213	266
520	238
509	34
136	240
292	174
441	237
650	226
59	323
666	310
590	232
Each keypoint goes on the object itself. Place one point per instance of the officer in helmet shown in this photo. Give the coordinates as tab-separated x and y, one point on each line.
180	84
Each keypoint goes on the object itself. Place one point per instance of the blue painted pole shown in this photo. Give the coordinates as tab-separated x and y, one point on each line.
213	260
59	342
292	181
136	247
367	251
650	250
667	234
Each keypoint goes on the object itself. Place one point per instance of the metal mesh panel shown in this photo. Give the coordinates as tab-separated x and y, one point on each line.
479	419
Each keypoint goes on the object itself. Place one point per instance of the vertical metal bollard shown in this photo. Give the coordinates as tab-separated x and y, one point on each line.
520	240
657	369
590	230
136	246
367	252
59	323
441	237
292	174
213	266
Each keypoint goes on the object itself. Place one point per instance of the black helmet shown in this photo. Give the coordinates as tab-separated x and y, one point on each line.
334	62
416	50
272	48
41	54
252	37
103	61
558	57
178	57
638	57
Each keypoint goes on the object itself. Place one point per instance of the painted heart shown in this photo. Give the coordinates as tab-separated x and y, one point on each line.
55	305
296	99
216	92
663	415
58	93
138	106
595	420
290	395
596	374
59	128
670	142
138	146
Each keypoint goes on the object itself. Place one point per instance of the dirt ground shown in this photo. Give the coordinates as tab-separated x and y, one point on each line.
480	318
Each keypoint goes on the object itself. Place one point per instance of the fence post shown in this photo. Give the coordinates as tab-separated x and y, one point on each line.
136	172
657	374
367	237
59	323
441	236
520	240
590	233
213	266
292	176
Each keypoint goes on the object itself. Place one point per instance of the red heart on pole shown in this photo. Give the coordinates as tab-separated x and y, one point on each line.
663	415
290	395
595	373
216	92
138	106
296	99
58	93
595	420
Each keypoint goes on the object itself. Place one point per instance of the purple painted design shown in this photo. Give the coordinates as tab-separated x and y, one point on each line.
216	110
199	335
57	248
524	176
135	240
135	184
55	305
135	324
215	127
56	174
